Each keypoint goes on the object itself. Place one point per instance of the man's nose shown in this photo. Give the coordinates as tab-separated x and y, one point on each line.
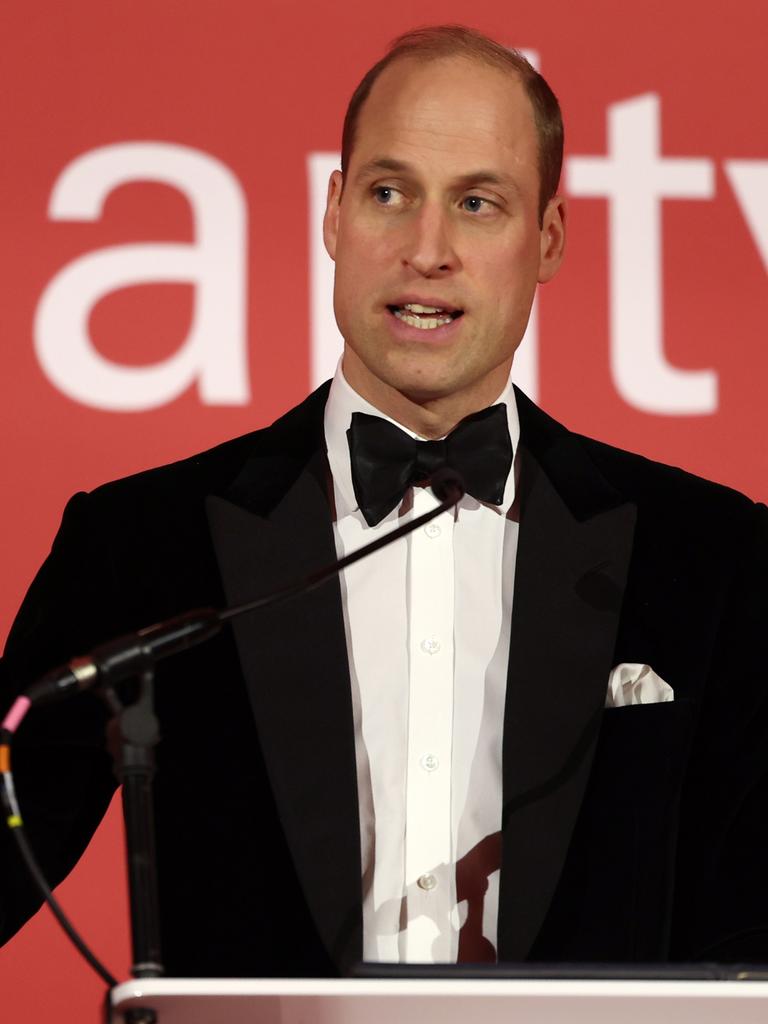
429	249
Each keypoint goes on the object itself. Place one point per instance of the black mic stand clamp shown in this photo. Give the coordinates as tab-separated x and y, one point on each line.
133	734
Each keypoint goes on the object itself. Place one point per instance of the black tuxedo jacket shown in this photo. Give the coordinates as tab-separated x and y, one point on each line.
637	833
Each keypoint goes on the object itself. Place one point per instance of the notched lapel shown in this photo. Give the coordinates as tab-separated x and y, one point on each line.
294	660
571	571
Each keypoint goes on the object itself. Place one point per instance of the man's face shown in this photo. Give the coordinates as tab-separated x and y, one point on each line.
436	238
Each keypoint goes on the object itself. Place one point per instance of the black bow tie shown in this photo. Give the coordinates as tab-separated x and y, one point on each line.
386	461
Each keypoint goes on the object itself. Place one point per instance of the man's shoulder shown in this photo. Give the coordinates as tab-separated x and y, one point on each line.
641	478
290	441
646	482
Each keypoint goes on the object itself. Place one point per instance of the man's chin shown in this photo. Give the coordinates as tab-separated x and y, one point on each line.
422	381
426	392
413	377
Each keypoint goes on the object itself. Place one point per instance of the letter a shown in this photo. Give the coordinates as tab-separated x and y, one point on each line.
214	353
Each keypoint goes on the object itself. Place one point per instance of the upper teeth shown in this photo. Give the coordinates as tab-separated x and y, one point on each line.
414	318
414	307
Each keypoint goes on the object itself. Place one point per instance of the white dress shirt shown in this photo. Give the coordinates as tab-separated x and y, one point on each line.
427	626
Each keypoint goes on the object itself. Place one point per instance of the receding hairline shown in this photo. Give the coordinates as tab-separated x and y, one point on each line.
420	60
456	42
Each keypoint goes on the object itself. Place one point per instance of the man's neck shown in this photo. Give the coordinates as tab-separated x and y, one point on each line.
429	416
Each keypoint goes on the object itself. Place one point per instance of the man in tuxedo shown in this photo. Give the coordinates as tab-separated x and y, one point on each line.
535	729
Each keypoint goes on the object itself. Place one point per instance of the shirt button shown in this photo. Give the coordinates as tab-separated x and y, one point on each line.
427	883
432	530
430	645
429	763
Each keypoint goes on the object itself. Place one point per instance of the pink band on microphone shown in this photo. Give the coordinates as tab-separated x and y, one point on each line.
13	719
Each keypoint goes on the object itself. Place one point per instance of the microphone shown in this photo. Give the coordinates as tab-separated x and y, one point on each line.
135	653
127	655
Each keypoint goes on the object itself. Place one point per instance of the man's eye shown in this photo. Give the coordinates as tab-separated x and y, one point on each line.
474	204
385	196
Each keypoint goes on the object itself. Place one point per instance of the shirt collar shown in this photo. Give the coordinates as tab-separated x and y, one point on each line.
343	400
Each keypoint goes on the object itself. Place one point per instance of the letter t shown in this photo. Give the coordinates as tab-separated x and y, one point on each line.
635	177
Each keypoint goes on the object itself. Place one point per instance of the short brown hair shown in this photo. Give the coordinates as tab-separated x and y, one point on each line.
458	41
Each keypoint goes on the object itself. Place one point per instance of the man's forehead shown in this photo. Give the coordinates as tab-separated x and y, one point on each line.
425	77
435	93
446	104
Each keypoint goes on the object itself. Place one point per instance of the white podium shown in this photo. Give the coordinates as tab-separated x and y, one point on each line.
390	1001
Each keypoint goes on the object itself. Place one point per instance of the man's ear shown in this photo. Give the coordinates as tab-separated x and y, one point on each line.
552	238
331	218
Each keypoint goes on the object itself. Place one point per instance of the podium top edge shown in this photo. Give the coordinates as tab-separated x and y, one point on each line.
428	987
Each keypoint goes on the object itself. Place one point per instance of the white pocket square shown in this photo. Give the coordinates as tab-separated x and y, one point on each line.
629	683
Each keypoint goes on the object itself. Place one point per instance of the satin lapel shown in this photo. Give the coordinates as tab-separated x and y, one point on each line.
569	582
294	660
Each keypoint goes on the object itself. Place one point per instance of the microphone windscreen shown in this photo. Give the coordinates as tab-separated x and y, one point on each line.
447	484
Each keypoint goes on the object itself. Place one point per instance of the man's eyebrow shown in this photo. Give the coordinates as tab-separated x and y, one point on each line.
383	163
478	177
485	177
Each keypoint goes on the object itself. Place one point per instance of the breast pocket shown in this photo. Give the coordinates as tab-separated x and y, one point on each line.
643	748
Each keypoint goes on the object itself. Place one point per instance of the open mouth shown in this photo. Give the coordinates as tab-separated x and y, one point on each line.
427	318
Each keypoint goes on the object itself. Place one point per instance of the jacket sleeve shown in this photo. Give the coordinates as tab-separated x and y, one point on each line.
62	772
721	891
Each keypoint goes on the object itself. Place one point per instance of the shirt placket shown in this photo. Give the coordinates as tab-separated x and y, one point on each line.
428	854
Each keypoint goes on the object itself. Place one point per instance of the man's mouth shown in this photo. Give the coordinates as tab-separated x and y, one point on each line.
425	317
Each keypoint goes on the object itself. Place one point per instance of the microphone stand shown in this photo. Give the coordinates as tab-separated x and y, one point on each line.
133	734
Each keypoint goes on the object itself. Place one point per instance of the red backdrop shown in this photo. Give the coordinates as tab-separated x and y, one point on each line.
162	287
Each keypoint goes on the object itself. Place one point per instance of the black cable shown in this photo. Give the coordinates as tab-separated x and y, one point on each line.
26	852
16	826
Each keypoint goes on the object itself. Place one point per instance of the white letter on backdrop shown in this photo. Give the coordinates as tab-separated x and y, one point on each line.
749	181
635	177
214	353
525	368
325	341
